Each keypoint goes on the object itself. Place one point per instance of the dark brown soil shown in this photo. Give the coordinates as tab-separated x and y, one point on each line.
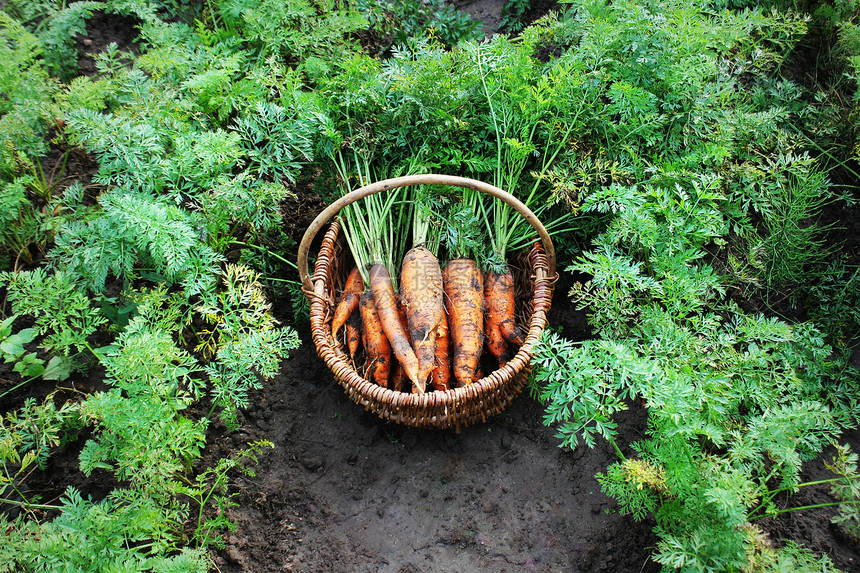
345	491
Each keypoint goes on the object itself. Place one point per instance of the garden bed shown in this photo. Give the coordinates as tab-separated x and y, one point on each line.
339	489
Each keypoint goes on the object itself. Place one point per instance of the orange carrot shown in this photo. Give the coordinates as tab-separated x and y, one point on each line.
398	376
386	306
375	343
464	293
401	311
348	301
501	305
441	376
353	333
496	343
421	287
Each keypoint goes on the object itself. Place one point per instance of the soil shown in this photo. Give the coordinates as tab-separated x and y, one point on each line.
345	491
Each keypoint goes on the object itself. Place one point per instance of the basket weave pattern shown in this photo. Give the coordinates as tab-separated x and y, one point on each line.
454	408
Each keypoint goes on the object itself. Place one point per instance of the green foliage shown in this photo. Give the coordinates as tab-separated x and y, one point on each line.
128	150
834	301
26	105
63	314
18	227
124	532
145	359
414	110
847	489
311	34
35	429
736	403
512	14
13	197
583	386
402	22
793	243
27	364
246	343
142	438
695	170
212	485
61	26
202	160
279	141
240	205
135	232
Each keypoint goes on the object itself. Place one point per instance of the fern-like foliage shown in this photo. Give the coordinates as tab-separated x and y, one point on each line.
242	204
295	30
13	197
278	140
585	384
122	532
36	428
128	151
145	359
63	313
58	36
143	439
134	231
25	109
245	340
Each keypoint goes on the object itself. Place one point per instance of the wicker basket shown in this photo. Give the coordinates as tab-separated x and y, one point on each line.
455	408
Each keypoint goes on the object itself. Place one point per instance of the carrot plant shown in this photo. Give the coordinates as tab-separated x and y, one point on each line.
736	402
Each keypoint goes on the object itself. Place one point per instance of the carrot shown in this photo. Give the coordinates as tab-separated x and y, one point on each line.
353	333
479	373
496	343
421	287
348	301
464	293
500	323
399	380
441	376
401	311
501	304
386	306
375	343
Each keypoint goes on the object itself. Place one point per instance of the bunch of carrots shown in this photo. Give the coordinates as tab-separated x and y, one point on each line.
431	332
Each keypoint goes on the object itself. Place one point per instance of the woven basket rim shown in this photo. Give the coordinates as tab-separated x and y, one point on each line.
334	208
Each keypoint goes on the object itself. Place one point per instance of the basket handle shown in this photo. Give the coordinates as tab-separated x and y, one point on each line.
406	181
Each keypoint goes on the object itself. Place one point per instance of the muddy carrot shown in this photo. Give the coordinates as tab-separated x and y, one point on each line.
348	301
421	288
398	376
464	288
386	306
441	376
401	311
479	373
376	344
496	343
353	333
500	300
